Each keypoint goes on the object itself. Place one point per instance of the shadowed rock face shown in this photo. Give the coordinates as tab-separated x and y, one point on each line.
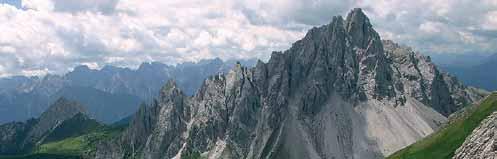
340	92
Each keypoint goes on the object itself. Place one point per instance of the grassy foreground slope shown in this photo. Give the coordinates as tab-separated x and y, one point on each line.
443	143
71	147
80	145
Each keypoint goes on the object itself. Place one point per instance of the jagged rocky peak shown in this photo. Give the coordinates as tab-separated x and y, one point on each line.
170	89
172	96
360	29
155	130
337	93
349	53
234	76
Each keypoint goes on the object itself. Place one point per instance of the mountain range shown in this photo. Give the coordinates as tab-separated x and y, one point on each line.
482	75
341	92
110	93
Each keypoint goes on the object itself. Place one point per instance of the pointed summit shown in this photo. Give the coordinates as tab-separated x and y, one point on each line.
356	19
61	110
170	91
358	15
170	84
360	29
64	106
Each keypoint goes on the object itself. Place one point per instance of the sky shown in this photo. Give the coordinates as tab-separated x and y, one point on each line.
53	36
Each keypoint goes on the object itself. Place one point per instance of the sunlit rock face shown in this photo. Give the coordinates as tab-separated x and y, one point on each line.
482	141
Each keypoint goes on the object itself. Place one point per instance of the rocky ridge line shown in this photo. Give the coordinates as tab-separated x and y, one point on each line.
340	92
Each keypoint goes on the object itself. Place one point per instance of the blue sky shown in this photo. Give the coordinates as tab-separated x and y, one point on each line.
53	36
16	3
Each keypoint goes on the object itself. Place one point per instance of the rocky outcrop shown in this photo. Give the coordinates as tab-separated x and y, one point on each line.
340	92
482	143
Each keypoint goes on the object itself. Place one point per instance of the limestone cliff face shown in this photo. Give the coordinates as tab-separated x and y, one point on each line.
340	92
482	143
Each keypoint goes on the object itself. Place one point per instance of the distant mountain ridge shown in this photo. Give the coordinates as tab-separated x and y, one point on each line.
481	75
117	91
459	60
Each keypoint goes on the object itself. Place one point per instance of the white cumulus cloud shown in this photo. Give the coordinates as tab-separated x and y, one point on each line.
52	36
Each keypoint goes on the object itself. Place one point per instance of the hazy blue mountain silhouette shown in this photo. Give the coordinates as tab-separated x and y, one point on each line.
110	93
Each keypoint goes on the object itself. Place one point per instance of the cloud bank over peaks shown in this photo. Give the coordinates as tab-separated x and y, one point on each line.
53	36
